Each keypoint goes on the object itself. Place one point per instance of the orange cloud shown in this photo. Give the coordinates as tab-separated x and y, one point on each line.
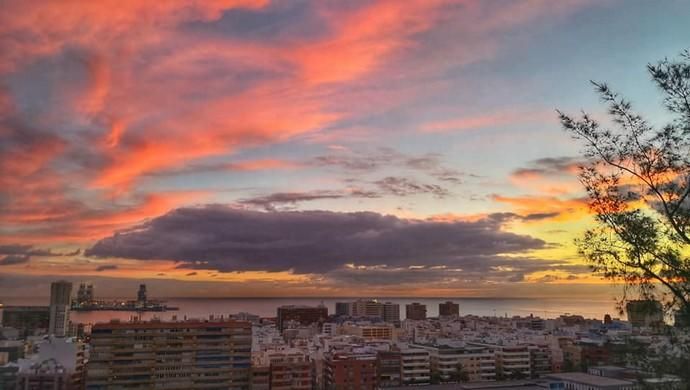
62	220
566	209
548	185
221	127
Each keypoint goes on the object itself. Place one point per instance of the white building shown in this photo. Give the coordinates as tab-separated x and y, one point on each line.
58	361
415	366
449	360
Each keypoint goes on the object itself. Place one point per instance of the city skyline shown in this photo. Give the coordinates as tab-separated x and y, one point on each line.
310	149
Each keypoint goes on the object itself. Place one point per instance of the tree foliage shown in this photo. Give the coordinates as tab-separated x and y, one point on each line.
637	177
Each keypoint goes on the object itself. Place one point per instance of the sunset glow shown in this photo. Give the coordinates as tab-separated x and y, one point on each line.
296	148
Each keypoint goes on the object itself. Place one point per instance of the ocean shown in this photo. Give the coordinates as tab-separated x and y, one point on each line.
266	307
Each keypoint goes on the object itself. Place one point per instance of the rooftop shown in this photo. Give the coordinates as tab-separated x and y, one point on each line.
588	379
172	324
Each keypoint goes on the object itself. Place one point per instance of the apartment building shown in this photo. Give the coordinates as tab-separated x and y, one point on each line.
541	359
645	313
448	309
389	369
301	315
454	363
391	313
60	301
370	332
170	355
58	364
343	308
512	361
367	308
260	377
345	371
416	366
289	369
28	320
415	311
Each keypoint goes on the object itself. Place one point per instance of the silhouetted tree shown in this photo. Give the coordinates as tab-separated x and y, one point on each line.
516	375
459	375
637	177
435	378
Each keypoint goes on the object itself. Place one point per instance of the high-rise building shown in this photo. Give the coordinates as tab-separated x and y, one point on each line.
60	300
391	312
141	294
367	308
343	308
448	309
350	371
28	320
415	311
85	293
644	313
181	355
302	315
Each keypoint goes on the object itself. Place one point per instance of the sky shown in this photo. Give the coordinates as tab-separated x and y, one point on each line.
310	148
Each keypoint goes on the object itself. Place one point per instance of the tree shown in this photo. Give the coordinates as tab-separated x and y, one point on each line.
516	375
435	378
637	177
459	375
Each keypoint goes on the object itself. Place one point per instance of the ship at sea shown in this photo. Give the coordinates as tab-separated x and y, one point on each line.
86	301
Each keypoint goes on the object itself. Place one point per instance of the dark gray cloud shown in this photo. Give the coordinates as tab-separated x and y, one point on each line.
403	186
361	161
273	23
431	164
15	249
539	216
106	267
229	239
287	200
391	185
519	277
507	217
15	259
19	249
550	166
277	199
472	269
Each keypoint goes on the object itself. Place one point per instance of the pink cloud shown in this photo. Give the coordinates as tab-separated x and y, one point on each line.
156	98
